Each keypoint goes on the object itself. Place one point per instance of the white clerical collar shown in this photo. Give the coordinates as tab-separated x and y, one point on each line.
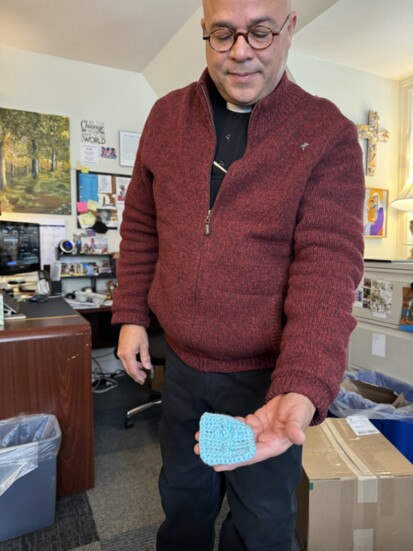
238	108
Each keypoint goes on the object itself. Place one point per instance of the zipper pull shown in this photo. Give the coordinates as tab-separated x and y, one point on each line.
207	228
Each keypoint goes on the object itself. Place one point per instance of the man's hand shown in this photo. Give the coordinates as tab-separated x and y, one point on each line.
277	425
133	340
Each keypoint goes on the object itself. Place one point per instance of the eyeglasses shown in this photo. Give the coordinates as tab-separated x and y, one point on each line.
258	37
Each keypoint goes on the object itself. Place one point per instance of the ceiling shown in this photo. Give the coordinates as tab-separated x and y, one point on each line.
125	34
370	35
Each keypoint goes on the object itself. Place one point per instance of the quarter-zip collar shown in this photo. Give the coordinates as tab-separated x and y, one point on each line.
282	101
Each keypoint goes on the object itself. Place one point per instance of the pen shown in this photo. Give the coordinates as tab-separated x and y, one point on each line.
219	166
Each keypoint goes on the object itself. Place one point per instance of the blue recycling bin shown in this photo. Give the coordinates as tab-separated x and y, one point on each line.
396	424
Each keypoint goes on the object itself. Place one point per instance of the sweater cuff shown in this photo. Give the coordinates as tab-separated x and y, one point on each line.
316	391
130	318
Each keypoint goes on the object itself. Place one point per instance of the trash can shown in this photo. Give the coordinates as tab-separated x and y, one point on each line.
28	451
395	423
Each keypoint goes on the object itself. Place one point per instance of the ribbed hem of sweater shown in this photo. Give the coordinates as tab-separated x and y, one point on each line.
215	365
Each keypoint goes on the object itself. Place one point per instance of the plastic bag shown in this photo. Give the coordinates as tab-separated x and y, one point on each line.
350	403
24	442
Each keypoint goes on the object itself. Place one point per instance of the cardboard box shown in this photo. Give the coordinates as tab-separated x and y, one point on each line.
398	425
356	493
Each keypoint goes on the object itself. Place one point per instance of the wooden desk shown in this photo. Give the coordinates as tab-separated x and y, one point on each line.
45	367
104	334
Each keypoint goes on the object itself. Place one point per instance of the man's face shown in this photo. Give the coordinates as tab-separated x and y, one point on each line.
244	75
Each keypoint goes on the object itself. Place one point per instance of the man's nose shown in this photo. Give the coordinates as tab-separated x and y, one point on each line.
241	47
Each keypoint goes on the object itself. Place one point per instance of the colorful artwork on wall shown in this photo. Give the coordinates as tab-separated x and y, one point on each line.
34	163
375	212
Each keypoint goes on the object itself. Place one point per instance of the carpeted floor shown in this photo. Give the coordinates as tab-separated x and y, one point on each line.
123	511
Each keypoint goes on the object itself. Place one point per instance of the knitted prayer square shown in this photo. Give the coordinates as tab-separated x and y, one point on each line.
225	440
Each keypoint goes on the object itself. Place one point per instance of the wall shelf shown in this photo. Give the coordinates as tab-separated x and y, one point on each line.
87	266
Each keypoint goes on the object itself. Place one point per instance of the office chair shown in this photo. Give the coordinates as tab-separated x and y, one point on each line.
157	349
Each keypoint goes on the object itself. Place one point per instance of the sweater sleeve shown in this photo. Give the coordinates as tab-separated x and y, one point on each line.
327	267
139	245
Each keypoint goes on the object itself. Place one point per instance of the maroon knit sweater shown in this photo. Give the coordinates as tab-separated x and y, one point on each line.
272	285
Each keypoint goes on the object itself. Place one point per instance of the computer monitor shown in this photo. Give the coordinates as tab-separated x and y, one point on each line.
19	248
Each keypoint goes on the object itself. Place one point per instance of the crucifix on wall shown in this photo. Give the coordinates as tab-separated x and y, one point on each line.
373	134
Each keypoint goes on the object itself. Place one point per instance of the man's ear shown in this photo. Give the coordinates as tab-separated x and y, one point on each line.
203	25
292	23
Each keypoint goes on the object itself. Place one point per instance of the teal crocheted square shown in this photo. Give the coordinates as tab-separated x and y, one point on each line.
224	440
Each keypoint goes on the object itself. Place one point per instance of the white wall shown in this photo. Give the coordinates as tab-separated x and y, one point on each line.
181	61
355	93
45	84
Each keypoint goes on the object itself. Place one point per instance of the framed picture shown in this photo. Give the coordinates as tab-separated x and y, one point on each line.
34	163
128	146
375	212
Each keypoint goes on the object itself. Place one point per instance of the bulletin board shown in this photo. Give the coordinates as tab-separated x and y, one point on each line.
100	198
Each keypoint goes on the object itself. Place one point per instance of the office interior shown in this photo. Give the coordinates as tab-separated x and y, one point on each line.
81	90
122	98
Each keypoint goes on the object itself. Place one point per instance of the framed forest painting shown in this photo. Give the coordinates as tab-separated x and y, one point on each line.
34	163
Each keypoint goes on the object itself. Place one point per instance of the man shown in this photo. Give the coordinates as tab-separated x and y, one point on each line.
243	233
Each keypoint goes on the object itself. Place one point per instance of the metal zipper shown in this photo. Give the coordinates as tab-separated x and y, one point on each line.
207	222
207	227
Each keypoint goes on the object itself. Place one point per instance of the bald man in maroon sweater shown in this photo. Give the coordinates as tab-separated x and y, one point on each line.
243	233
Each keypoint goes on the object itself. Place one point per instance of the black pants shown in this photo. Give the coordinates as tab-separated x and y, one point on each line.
261	497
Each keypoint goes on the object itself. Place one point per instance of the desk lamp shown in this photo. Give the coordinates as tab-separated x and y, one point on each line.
405	200
405	203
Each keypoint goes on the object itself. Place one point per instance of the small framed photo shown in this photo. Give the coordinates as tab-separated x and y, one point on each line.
128	146
375	212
